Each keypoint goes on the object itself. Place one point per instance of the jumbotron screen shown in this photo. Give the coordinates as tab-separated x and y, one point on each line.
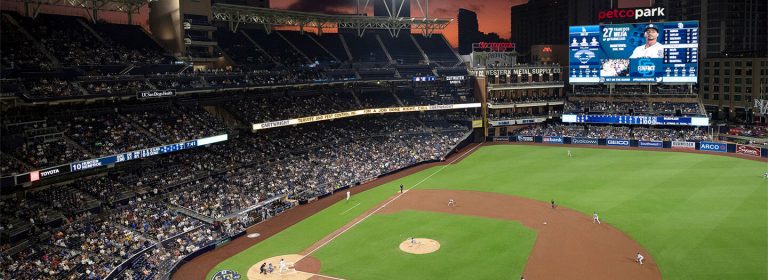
660	52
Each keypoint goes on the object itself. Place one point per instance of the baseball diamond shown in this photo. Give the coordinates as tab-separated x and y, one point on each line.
634	192
383	139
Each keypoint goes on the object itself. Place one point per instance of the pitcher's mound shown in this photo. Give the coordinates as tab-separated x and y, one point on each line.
419	246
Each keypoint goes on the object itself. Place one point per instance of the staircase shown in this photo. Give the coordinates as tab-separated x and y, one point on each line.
323	47
423	54
346	49
386	52
34	41
259	47
306	58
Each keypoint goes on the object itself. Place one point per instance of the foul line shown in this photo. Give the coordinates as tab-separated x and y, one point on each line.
342	213
385	204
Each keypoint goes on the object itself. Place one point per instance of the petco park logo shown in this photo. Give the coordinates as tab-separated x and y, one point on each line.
747	150
629	13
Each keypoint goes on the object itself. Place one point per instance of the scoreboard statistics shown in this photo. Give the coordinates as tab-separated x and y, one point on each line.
636	120
626	53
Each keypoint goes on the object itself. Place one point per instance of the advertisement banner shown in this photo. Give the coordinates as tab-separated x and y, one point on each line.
747	150
617	142
521	138
584	141
684	145
650	144
156	94
477	123
552	139
713	147
347	114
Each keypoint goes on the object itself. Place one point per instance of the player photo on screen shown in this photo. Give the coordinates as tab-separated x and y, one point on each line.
614	68
651	48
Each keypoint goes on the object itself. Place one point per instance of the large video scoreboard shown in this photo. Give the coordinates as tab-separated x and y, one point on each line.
662	52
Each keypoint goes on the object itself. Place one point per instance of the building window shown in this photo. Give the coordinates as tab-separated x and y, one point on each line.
716	88
706	87
717	80
727	72
706	64
727	64
726	97
706	96
717	72
727	81
717	63
706	80
738	63
748	90
715	97
726	88
748	81
738	71
737	89
749	63
706	71
737	97
737	81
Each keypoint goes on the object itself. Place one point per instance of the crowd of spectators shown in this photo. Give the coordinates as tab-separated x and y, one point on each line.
750	131
108	218
666	90
616	132
522	99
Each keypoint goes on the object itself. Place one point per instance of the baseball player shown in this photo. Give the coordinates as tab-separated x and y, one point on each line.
569	153
263	268
595	218
765	175
401	188
347	195
413	241
552	203
282	264
639	258
451	202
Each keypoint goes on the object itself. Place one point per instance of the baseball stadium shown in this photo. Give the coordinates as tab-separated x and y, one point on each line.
391	139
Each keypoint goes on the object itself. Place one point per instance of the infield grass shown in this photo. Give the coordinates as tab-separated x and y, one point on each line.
700	216
470	248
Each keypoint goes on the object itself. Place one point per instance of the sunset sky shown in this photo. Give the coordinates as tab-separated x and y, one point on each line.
493	15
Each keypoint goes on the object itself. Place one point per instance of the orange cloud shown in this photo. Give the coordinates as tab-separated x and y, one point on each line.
492	15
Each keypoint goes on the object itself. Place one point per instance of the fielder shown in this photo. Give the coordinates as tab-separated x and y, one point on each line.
595	218
569	153
451	202
765	175
347	195
282	264
639	258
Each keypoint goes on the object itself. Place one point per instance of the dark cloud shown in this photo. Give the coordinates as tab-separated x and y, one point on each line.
475	7
323	6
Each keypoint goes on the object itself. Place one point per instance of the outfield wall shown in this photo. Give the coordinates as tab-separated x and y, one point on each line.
739	150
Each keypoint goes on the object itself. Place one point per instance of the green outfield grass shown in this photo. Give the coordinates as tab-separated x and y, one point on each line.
470	248
700	216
